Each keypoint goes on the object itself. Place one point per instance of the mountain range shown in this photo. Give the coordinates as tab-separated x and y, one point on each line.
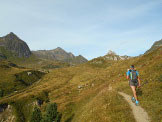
12	46
60	54
88	92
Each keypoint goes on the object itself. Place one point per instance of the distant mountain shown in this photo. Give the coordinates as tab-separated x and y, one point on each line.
107	60
14	44
156	45
113	56
60	54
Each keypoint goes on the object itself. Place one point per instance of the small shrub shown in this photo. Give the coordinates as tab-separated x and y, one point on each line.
36	115
58	117
51	114
20	117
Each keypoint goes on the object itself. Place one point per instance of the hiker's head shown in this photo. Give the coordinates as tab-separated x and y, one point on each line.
132	66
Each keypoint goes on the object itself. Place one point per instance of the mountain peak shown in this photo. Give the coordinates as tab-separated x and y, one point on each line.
59	48
11	33
110	52
11	36
13	43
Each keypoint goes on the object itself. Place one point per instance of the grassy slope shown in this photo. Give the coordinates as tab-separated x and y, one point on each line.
62	87
150	67
94	101
7	77
14	78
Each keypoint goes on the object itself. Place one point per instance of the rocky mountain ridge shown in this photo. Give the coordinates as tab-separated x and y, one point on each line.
60	55
14	44
111	55
156	45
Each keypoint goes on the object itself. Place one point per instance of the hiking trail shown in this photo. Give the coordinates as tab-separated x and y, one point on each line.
139	113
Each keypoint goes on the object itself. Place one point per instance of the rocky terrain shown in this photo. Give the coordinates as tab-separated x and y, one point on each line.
111	55
60	54
14	44
156	45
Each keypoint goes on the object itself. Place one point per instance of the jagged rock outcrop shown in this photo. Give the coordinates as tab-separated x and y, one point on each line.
6	113
111	55
14	44
60	55
156	45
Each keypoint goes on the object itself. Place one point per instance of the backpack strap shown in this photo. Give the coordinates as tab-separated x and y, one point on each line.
131	74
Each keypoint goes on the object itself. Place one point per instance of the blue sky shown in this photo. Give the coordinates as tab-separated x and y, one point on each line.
86	27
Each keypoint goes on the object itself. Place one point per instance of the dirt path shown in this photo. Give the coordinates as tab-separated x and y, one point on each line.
139	113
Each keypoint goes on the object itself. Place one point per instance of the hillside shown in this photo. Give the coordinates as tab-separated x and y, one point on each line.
15	78
14	44
89	92
59	54
156	45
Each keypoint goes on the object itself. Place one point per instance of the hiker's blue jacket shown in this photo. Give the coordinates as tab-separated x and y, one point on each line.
128	73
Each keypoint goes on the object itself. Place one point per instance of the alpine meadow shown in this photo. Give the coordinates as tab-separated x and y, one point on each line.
81	61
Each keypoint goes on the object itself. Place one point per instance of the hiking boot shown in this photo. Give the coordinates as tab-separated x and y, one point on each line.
137	102
133	99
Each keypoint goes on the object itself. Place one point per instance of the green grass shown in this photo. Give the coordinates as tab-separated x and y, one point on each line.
14	79
22	109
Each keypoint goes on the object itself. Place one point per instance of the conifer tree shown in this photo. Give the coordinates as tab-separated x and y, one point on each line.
36	115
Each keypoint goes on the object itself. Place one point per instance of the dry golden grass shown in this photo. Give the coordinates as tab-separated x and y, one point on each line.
94	101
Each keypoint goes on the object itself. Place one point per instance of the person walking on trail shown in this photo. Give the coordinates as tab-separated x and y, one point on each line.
134	82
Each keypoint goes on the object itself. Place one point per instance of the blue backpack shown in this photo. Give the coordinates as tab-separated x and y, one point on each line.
133	76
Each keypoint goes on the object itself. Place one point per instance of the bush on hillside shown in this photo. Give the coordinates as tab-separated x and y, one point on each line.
36	115
51	114
20	117
28	77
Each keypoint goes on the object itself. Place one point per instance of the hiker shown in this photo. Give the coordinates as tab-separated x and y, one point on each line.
134	82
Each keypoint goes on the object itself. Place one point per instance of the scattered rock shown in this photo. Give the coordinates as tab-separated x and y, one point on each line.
29	73
81	86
